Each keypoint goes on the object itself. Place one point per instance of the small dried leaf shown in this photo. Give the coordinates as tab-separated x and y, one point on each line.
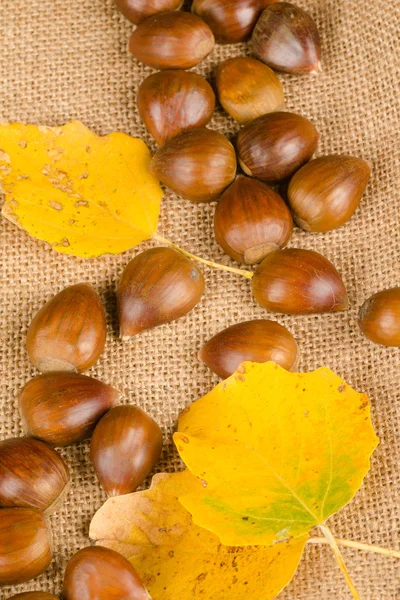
178	560
85	195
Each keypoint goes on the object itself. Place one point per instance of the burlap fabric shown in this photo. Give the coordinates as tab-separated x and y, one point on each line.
62	60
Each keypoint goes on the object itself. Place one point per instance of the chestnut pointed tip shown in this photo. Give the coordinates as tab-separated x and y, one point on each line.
317	70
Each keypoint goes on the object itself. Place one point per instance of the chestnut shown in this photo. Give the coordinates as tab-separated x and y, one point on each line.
295	281
248	89
172	40
32	474
257	341
25	545
274	146
231	22
198	164
379	318
251	220
287	39
139	10
170	102
325	193
69	331
157	286
98	573
63	408
126	445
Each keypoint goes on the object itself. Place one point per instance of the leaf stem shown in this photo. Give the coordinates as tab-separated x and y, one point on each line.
357	546
209	263
339	559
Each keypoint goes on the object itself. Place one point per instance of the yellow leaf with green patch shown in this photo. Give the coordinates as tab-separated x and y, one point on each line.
178	560
85	195
277	452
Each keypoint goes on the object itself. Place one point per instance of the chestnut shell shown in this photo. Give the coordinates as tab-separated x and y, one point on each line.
296	281
233	21
125	447
63	408
198	164
69	331
25	545
137	11
274	146
170	102
248	89
258	341
172	40
32	475
102	574
379	318
286	38
157	286
251	220
325	193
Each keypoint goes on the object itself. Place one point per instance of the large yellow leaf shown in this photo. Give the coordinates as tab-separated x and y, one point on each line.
178	560
278	452
83	194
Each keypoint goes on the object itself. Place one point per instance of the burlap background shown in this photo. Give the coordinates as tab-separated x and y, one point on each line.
68	59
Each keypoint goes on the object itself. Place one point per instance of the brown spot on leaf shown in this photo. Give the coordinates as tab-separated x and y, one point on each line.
65	242
171	553
341	388
184	439
22	144
56	205
81	203
202	576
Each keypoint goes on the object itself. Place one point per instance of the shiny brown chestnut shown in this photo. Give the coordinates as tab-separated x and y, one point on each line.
257	341
172	40
231	22
248	89
326	192
139	10
295	281
198	164
63	408
32	475
69	331
251	220
98	573
33	596
125	447
25	545
170	102
274	146
287	39
157	286
379	318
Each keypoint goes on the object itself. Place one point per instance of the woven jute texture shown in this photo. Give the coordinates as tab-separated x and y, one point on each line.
63	60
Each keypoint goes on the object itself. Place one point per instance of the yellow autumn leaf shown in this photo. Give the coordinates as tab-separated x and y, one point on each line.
85	195
277	452
178	560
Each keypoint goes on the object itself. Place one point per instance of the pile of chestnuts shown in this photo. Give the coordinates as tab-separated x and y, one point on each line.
253	224
58	408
